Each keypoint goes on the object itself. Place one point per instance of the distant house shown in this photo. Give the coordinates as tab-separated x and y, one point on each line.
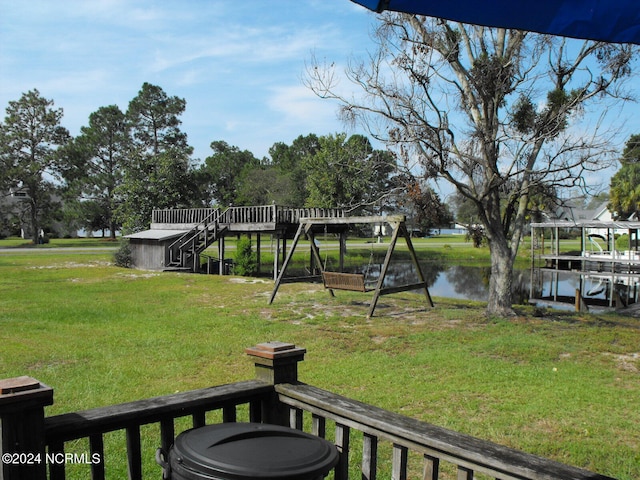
15	212
569	212
581	216
601	213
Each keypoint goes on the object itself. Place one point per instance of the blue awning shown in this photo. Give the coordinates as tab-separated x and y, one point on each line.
616	21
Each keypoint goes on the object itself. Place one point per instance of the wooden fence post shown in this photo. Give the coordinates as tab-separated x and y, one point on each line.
22	440
276	362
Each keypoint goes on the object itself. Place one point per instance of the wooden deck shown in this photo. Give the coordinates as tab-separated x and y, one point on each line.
204	226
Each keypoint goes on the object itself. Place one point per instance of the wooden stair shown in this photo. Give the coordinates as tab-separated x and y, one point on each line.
184	253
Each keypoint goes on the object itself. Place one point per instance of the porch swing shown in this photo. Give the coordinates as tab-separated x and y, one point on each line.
355	282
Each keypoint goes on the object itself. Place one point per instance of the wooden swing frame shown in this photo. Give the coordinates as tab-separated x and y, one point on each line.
354	281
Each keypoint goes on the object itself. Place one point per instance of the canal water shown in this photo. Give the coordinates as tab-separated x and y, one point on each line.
449	281
472	283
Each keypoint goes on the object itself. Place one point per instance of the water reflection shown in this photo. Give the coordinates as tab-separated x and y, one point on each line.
596	290
472	283
445	280
553	288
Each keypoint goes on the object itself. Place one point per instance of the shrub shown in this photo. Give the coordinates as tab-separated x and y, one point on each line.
122	257
622	242
246	262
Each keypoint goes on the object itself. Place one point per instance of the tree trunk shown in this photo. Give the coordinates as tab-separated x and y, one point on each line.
112	230
35	226
500	284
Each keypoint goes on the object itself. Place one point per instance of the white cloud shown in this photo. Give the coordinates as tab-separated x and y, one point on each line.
299	104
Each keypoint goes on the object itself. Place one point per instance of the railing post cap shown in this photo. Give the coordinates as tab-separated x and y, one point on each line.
23	390
276	362
275	350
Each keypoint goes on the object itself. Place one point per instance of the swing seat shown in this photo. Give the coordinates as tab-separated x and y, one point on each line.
344	281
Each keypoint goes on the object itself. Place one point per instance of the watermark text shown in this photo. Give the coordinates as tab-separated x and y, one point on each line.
55	458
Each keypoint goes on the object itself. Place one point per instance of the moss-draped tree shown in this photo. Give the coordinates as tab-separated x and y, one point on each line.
494	112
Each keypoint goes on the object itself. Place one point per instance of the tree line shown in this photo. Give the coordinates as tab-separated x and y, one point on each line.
123	165
507	118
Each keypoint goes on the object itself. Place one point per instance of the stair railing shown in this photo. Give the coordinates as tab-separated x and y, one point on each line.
189	238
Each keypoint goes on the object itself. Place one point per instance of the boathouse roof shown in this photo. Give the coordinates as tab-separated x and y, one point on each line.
586	224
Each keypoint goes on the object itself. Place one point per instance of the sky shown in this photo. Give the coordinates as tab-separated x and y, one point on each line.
239	64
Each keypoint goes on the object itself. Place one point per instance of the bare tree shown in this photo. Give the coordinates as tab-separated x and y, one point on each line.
497	113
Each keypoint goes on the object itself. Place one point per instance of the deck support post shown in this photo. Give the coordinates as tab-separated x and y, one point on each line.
343	250
22	402
284	248
312	262
221	247
258	251
276	362
276	256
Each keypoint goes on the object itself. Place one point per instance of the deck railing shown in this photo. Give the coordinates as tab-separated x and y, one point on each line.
252	214
181	215
244	214
293	215
440	451
276	397
130	417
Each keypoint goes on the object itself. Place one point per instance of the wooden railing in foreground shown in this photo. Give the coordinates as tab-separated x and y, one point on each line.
466	455
32	444
129	417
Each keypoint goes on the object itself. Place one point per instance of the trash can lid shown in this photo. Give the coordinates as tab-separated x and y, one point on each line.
241	451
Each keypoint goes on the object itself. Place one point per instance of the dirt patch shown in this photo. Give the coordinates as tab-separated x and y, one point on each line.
138	275
71	265
379	339
627	362
247	280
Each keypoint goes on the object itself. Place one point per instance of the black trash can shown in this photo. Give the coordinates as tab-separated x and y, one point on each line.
245	451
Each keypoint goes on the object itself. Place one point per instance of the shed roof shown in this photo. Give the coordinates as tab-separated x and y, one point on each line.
156	234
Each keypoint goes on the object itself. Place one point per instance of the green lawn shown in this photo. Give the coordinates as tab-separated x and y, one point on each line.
560	385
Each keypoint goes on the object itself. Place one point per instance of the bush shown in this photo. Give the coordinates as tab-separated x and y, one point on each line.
246	262
622	242
122	257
